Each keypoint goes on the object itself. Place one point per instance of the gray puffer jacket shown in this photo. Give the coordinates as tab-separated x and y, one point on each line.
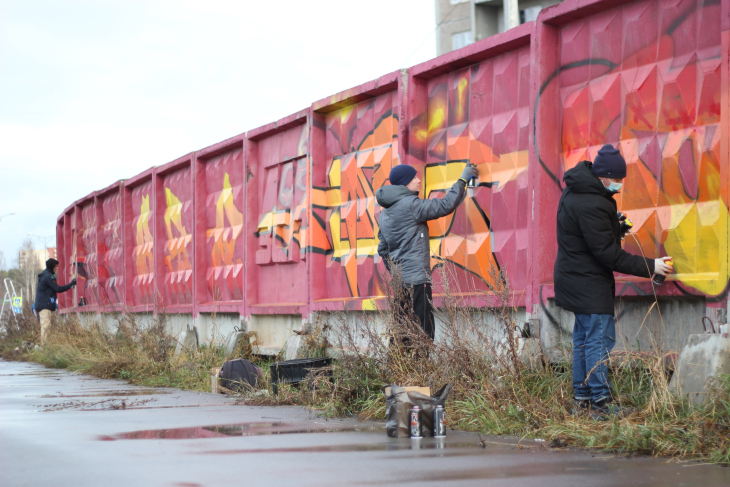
403	230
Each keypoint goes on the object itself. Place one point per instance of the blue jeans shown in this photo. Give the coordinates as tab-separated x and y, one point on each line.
593	337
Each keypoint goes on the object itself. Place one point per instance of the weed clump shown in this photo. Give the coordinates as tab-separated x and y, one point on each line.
140	353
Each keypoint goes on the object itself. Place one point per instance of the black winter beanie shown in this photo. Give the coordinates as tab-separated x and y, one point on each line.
609	163
51	263
402	174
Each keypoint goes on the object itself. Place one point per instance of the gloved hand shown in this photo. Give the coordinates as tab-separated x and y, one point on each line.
661	267
470	171
73	283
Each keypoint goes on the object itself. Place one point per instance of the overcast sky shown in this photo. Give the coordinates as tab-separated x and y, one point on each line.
95	91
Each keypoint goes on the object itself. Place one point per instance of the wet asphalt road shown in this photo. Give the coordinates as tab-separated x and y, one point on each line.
168	437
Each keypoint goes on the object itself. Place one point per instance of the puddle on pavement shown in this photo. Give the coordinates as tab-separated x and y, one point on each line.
159	407
435	444
42	373
281	428
131	392
228	430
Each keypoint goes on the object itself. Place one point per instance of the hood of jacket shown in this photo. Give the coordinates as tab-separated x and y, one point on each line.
389	195
45	271
580	179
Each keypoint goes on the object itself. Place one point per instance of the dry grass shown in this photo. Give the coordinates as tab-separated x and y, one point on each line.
141	354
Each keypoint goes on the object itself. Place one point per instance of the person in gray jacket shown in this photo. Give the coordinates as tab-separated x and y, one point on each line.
404	238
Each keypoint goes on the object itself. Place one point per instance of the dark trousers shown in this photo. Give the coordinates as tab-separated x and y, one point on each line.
417	300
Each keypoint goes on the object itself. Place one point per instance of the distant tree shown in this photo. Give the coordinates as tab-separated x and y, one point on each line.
3	276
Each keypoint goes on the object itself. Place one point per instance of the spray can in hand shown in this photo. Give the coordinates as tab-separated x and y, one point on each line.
658	278
416	422
625	224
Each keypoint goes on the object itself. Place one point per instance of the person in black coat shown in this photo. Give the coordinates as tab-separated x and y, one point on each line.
589	251
46	301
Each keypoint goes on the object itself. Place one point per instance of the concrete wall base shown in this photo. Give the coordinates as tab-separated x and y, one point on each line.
639	326
666	327
702	358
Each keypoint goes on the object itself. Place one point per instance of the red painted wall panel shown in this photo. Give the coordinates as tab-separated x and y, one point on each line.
61	257
69	255
175	220
646	77
361	147
219	225
86	254
278	218
110	248
142	243
479	114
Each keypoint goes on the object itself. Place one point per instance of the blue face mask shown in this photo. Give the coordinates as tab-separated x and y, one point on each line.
614	187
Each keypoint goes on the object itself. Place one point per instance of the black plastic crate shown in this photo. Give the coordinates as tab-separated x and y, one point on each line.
294	371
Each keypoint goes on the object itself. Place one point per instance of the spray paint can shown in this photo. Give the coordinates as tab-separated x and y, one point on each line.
439	421
625	224
658	278
416	422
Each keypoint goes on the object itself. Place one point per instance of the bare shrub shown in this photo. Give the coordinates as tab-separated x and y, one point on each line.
16	328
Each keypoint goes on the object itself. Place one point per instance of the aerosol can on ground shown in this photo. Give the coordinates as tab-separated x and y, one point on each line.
416	422
439	421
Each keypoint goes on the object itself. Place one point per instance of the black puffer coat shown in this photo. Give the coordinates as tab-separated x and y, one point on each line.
589	246
403	232
45	296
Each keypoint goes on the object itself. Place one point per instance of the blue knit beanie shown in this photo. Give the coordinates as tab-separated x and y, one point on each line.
609	163
402	175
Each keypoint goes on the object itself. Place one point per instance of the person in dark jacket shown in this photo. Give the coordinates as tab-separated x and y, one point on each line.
589	251
45	297
404	237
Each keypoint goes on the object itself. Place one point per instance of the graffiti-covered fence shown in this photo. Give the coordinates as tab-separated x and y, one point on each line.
282	220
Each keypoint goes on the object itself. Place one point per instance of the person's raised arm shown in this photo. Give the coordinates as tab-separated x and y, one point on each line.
51	283
425	210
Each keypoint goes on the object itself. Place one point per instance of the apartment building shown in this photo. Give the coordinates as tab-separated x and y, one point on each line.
462	22
35	259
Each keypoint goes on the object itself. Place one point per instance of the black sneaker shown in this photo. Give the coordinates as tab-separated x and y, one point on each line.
580	406
604	410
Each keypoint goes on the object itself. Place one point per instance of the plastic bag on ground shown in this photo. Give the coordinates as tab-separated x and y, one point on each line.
398	407
237	372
